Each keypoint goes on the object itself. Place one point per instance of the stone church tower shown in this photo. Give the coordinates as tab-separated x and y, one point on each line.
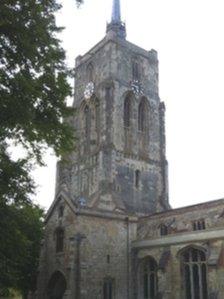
117	172
120	163
110	232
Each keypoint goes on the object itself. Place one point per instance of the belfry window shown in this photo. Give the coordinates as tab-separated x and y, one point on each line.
108	290
194	271
97	114
150	279
87	115
59	239
127	112
142	116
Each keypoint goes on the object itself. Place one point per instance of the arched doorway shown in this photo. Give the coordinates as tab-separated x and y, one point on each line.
56	286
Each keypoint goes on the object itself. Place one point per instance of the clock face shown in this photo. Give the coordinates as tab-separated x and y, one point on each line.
89	90
136	88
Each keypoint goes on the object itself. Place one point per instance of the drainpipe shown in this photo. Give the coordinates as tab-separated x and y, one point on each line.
78	238
128	258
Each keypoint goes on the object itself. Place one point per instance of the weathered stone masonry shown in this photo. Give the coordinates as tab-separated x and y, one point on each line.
110	232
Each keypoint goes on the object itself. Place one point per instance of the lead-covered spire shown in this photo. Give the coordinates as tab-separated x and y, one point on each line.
116	12
116	25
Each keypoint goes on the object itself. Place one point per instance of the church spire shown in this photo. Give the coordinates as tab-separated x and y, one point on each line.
116	25
116	12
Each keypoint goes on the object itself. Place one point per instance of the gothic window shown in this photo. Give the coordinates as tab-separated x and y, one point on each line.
87	116
150	279
137	178
199	224
127	112
108	289
97	114
163	230
142	116
59	239
90	71
135	71
194	270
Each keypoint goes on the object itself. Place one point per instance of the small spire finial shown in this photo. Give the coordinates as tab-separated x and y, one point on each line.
116	25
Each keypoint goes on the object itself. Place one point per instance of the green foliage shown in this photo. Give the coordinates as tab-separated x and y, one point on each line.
33	77
20	239
15	182
33	92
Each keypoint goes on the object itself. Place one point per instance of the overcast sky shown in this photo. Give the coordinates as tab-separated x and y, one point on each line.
189	38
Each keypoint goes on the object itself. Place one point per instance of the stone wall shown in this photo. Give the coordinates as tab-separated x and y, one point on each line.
181	235
103	252
179	221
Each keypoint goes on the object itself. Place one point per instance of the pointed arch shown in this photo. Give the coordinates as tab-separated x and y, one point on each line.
194	272
87	121
148	278
56	286
96	104
143	115
127	111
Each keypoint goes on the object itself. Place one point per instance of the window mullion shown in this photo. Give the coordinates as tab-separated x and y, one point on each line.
200	281
192	281
191	275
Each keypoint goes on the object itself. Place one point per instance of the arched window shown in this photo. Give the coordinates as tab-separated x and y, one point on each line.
87	116
90	71
56	286
127	112
59	239
108	288
97	114
137	178
150	279
194	270
142	116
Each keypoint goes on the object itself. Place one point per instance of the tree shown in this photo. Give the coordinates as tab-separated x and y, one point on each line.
20	243
33	85
33	91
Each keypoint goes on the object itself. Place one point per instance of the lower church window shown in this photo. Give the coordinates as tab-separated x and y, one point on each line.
194	274
150	279
108	290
